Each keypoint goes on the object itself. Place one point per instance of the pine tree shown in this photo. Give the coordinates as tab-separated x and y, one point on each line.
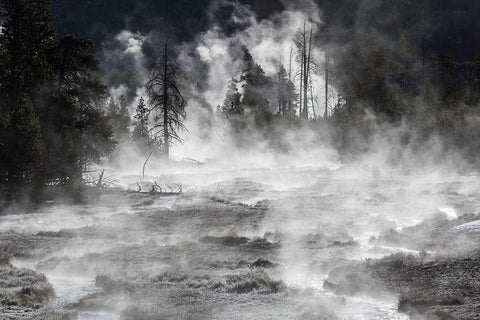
123	118
28	36
23	151
254	85
141	135
119	118
51	129
78	132
76	68
26	40
232	107
287	95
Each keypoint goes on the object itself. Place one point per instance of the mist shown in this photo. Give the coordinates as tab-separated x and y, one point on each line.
233	159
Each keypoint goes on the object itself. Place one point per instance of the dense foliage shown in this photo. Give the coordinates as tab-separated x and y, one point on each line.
51	129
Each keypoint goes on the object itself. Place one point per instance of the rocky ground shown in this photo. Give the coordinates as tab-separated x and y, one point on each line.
442	282
255	248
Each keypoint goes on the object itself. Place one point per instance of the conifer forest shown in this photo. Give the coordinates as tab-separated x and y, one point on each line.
239	159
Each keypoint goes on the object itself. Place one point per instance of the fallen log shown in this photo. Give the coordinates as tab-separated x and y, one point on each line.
156	189
156	193
193	161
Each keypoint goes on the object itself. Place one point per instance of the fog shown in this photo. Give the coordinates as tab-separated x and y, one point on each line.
305	218
259	230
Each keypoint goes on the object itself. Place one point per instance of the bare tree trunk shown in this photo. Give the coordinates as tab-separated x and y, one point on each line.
305	71
306	61
301	90
100	179
325	114
311	99
166	138
280	102
290	79
145	163
290	66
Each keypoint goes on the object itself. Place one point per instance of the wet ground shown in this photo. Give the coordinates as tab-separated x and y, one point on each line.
250	243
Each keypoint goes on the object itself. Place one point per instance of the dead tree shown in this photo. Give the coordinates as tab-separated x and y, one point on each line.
307	72
327	58
290	75
304	57
100	178
145	163
166	101
312	100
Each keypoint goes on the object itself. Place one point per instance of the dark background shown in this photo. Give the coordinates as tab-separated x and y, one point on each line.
452	25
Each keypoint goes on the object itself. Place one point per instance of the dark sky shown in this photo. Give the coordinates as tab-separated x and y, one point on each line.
100	19
454	24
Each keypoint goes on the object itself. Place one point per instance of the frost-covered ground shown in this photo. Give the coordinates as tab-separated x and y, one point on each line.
249	243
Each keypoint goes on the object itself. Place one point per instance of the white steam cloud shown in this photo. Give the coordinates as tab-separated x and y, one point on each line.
269	40
220	51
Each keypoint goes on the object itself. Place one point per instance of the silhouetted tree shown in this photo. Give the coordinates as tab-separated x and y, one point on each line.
25	41
166	101
287	95
119	118
233	108
254	85
304	57
21	151
233	103
141	134
78	132
51	129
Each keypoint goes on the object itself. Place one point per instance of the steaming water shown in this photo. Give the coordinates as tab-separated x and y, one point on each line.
358	308
311	211
471	227
69	290
56	218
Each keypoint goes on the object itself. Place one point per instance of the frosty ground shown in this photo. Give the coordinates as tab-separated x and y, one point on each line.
251	243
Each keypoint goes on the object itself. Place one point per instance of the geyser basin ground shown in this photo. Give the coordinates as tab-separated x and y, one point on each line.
244	244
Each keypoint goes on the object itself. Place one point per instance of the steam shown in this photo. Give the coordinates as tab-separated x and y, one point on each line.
312	206
209	62
126	66
269	40
214	57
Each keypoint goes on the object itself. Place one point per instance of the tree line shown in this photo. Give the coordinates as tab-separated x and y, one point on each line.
56	119
51	128
399	84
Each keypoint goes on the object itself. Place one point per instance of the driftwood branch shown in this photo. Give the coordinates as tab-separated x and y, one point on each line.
193	161
100	178
159	188
144	164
